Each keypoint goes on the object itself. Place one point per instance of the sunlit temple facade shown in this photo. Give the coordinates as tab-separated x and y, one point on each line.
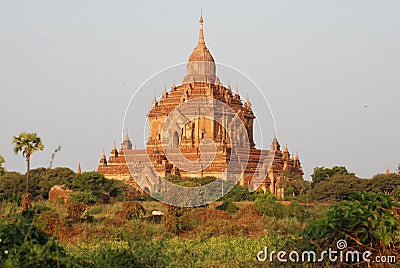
201	81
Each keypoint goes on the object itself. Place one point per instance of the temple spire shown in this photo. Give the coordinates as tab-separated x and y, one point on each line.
247	104
126	143
154	104
114	151
115	146
165	92
126	135
201	64
103	159
201	35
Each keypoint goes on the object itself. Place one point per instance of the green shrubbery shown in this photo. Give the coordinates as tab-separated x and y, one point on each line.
135	254
269	207
91	186
365	223
23	245
239	193
86	197
228	206
194	181
11	197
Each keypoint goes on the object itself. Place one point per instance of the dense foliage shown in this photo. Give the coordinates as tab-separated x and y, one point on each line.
366	223
90	186
338	187
321	173
23	245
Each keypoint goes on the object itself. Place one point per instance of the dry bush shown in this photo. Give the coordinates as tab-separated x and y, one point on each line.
174	220
26	201
210	215
131	210
210	222
72	233
247	209
251	225
116	222
49	222
201	222
78	212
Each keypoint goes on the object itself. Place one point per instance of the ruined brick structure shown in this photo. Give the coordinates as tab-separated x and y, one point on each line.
201	81
58	192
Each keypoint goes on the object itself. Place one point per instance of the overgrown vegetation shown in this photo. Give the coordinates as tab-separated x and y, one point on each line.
366	223
91	186
88	232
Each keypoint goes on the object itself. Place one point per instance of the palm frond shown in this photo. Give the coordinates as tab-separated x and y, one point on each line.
27	143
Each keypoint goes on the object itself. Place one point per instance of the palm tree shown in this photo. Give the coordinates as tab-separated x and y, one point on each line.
27	143
1	164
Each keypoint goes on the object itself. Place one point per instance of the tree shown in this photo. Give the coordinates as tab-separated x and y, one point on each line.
294	185
97	184
51	177
365	222
11	187
40	181
385	183
27	143
2	161
237	193
339	187
322	173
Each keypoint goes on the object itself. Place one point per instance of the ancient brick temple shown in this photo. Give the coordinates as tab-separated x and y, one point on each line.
201	81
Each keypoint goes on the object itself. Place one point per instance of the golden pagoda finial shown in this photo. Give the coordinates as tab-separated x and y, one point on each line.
79	168
297	156
237	90
387	171
201	35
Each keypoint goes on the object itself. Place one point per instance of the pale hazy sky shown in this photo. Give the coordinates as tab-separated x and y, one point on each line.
69	68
